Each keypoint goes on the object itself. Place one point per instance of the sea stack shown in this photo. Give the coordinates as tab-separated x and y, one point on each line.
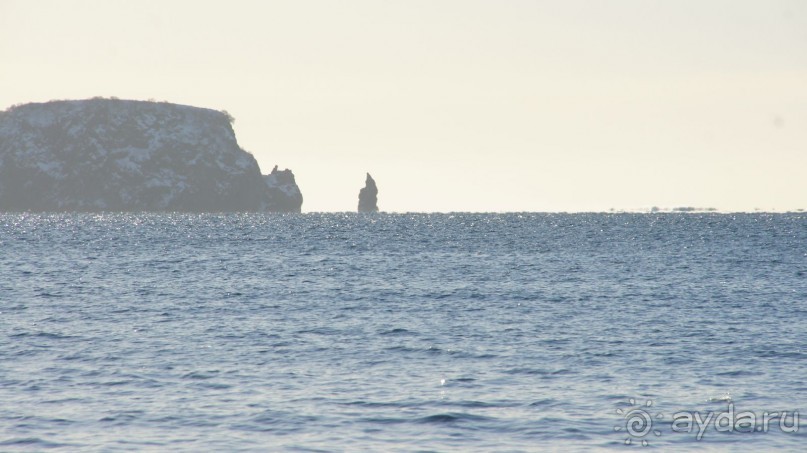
284	194
368	196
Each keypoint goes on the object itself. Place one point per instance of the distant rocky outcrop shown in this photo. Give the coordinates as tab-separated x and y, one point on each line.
117	155
284	195
368	196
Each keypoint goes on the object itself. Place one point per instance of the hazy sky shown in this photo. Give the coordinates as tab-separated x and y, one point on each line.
458	105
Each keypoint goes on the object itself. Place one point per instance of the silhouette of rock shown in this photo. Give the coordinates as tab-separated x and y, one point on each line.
284	195
117	155
368	196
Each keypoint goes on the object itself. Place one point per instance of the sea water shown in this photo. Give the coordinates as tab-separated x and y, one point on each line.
402	332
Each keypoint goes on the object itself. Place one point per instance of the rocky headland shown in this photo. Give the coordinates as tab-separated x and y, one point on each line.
120	155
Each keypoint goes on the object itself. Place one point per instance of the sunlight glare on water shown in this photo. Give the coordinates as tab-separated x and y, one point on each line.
396	332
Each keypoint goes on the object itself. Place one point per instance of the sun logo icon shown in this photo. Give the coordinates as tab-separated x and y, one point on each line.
638	422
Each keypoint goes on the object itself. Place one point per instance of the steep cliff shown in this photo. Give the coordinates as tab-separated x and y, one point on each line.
284	195
117	155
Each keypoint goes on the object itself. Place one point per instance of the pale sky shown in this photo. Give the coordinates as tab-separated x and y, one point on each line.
458	105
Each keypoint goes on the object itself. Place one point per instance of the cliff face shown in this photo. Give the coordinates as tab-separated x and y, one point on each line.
368	196
284	195
115	155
